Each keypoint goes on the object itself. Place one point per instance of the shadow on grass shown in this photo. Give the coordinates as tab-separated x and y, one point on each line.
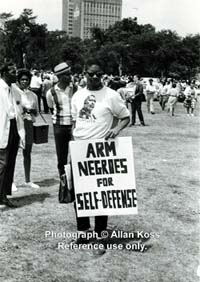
48	182
26	200
29	199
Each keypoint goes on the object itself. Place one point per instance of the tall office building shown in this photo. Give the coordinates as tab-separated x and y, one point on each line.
79	16
68	16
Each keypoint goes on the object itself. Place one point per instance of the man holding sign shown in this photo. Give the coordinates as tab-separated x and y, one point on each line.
105	105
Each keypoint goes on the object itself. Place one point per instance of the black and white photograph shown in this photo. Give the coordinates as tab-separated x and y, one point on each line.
99	141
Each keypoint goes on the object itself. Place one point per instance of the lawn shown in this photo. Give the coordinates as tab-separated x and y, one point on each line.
167	156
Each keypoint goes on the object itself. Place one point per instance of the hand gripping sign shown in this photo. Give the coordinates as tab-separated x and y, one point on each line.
104	177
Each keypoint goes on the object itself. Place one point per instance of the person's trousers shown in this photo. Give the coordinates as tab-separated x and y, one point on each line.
136	106
45	105
163	100
62	135
150	106
28	126
83	223
7	161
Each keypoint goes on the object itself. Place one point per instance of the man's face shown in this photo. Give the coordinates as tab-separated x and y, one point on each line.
65	78
90	103
135	78
94	75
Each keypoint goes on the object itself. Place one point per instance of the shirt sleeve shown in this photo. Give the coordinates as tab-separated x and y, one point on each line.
74	107
36	105
119	108
49	99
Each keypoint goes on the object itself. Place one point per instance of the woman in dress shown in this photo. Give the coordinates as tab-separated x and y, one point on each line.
30	108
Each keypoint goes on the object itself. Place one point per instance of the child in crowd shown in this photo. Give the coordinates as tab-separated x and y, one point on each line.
190	100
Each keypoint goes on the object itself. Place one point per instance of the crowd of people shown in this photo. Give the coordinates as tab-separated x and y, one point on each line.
82	107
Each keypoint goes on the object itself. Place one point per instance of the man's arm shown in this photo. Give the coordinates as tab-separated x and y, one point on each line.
116	130
139	90
49	100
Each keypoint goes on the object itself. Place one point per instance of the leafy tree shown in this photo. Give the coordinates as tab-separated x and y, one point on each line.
4	17
72	51
24	36
190	55
125	47
54	43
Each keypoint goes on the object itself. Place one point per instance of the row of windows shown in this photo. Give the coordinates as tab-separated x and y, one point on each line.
95	16
105	13
99	18
102	6
99	24
114	10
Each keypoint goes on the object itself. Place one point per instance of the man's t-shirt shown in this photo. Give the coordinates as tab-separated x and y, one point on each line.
94	112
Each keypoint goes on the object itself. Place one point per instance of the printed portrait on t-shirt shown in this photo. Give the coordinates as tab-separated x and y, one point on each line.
86	111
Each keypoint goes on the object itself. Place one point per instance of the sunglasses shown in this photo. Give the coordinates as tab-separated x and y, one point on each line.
92	74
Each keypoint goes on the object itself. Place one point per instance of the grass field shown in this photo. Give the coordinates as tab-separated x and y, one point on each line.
167	162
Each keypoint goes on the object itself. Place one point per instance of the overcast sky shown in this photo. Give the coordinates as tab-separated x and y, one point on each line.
181	16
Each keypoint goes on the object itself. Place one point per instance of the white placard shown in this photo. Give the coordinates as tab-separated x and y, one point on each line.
104	176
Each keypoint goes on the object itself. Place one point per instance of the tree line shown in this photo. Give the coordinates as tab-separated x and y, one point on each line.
124	48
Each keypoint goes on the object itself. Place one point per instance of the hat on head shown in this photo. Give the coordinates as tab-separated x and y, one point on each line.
62	68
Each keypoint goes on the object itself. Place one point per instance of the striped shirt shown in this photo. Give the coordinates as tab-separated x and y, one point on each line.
61	105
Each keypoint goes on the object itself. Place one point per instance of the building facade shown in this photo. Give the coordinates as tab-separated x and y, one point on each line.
68	16
79	16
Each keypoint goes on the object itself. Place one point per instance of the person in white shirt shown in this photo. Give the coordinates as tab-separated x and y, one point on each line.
190	99
46	85
173	98
36	86
150	92
11	130
164	95
103	104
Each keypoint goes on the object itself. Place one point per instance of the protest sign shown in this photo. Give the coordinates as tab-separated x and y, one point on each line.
104	176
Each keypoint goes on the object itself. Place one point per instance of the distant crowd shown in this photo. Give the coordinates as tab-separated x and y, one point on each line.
153	89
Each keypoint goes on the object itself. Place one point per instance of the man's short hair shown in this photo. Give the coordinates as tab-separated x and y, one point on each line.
5	67
94	61
138	76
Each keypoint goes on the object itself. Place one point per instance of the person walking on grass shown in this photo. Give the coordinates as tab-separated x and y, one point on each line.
173	98
190	100
105	105
136	100
11	130
150	92
164	95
